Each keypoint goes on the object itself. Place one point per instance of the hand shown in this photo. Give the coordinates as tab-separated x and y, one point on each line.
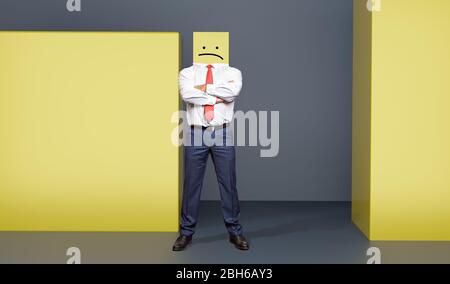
219	100
201	87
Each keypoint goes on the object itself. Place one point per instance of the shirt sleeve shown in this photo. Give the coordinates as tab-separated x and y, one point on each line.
229	89
189	93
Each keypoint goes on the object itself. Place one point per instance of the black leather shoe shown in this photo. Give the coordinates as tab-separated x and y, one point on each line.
181	243
239	242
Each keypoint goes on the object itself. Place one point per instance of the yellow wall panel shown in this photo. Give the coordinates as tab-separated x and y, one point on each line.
85	131
410	121
362	83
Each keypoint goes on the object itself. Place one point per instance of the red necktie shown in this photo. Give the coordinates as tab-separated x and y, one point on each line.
209	109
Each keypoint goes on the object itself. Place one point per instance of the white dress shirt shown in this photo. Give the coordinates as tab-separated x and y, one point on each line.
227	85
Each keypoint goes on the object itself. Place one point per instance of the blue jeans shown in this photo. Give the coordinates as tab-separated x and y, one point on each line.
195	159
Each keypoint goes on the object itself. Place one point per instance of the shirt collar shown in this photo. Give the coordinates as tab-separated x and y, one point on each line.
214	65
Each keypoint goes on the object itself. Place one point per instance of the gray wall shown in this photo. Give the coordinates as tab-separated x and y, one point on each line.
295	55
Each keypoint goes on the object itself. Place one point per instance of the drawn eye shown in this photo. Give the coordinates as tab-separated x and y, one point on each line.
204	47
217	47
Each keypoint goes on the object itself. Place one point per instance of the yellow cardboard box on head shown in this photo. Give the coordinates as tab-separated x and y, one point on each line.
211	48
85	131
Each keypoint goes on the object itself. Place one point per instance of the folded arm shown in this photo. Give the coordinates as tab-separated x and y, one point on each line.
228	90
189	93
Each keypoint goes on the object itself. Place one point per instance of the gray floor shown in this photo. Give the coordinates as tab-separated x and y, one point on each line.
279	232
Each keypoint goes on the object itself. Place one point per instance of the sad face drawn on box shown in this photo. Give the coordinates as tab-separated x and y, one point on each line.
211	48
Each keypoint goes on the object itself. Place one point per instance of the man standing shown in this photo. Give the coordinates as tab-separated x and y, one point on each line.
209	88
